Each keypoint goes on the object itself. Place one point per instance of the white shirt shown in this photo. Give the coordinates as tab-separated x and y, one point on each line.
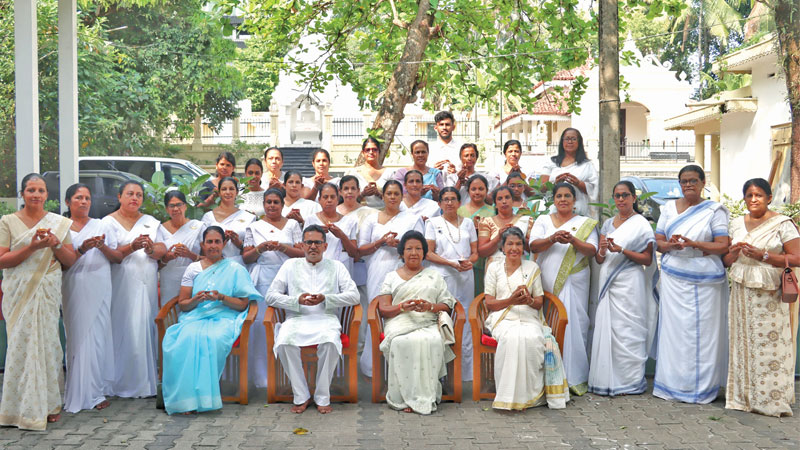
439	150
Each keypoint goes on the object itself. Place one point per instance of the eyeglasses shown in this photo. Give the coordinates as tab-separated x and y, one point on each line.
570	139
449	200
370	150
175	205
622	195
691	182
312	243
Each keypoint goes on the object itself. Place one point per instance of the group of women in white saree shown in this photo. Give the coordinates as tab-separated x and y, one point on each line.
415	255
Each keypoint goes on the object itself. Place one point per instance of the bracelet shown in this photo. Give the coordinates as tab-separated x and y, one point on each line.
401	308
601	254
80	250
258	250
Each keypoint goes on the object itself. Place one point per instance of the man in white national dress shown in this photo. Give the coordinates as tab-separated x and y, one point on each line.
311	290
444	152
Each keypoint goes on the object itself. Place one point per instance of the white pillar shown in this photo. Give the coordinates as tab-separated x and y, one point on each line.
67	96
26	77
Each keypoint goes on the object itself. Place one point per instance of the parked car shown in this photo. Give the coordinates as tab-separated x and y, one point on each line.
143	166
104	185
665	189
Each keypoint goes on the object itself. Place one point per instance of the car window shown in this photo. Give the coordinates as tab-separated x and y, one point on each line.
173	172
664	187
101	164
111	185
144	169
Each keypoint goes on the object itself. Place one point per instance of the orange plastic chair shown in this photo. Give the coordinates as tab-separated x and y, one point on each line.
344	386
237	359
451	386
484	346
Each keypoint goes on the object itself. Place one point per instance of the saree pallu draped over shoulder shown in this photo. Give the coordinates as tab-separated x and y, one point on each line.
693	309
762	328
627	312
196	347
416	354
33	381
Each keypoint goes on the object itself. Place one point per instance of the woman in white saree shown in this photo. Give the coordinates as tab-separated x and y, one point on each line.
692	234
86	290
34	247
294	205
514	295
182	238
762	241
490	229
564	243
378	239
625	321
135	286
415	352
268	243
413	201
572	166
341	231
231	219
453	245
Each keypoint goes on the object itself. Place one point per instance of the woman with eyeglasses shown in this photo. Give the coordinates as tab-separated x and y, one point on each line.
230	218
517	184
763	242
625	320
371	175
432	178
378	239
268	243
254	199
182	236
572	166
413	200
321	161
564	243
692	234
453	250
295	206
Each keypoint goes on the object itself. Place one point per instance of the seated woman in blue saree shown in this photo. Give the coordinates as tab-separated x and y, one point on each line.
214	296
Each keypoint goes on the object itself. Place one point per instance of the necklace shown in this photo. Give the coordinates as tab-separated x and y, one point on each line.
458	225
505	268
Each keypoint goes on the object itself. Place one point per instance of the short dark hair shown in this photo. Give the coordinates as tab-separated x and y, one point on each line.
253	161
632	190
318	229
759	183
405	177
693	168
477	177
442	115
317	152
231	179
30	177
126	184
289	174
174	194
275	191
71	191
513	231
391	183
328	185
511	142
564	184
419	142
347	178
368	140
216	229
466	146
514	174
227	156
269	149
449	189
412	235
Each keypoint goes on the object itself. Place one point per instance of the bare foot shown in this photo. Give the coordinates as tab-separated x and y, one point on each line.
324	409
299	409
102	405
408	410
52	418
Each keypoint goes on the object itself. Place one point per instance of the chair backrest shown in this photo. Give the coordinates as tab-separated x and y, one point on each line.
555	314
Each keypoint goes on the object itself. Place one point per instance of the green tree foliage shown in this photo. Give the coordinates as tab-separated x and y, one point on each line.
259	73
143	74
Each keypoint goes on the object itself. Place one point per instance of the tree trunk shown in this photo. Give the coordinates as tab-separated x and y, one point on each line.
787	22
402	86
608	39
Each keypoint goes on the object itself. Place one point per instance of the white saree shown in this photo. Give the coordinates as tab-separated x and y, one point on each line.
306	207
585	172
384	261
335	248
565	273
693	315
133	310
627	311
190	235
424	207
455	244
416	355
87	293
236	222
33	379
262	272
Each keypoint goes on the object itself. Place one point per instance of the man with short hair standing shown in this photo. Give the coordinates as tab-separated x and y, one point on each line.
311	289
444	152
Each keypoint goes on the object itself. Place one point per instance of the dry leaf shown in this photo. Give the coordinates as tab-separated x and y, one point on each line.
300	431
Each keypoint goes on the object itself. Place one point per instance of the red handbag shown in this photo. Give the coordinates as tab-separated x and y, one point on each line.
789	288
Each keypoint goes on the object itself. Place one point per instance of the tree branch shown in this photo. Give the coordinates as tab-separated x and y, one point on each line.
396	17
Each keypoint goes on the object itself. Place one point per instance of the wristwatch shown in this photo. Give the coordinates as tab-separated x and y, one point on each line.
766	256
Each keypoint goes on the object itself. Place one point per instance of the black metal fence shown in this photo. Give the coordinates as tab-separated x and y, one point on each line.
347	127
254	130
466	130
663	151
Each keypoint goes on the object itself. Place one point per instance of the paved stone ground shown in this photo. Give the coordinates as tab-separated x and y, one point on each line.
588	422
